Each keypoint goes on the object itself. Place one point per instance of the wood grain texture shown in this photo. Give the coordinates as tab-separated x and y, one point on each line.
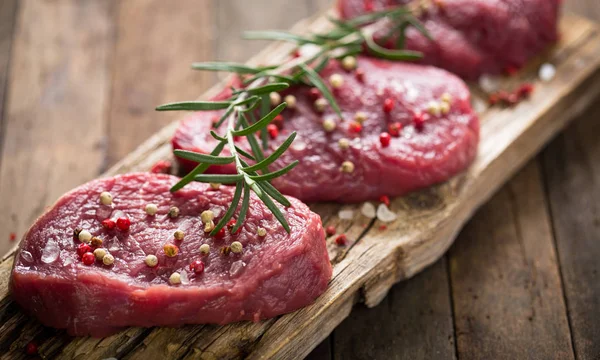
413	322
233	18
8	12
506	286
157	42
323	351
430	219
587	8
376	259
56	107
572	174
56	103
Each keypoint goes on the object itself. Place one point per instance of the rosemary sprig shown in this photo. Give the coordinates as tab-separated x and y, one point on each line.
253	98
246	178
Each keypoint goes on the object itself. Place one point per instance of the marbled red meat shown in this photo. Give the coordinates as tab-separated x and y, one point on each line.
416	159
274	274
474	37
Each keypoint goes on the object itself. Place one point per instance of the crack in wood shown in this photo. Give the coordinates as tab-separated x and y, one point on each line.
342	254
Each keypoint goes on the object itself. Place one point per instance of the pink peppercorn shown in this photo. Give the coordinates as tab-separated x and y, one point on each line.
123	223
108	224
83	249
197	267
384	139
388	105
88	258
330	230
341	239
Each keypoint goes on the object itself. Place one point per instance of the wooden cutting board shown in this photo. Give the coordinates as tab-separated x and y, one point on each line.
375	258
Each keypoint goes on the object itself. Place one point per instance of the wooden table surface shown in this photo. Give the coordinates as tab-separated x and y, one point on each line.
78	83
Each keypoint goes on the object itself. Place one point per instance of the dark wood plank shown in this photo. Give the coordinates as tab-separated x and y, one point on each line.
506	288
157	41
324	351
572	170
55	108
8	14
413	322
588	8
234	17
573	193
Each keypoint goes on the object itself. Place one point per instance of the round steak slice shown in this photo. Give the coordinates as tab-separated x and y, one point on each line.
437	133
273	274
474	37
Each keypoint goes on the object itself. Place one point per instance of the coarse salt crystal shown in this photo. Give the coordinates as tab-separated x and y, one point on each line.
346	214
236	268
103	212
309	50
488	83
183	277
299	145
547	72
384	214
479	106
50	252
117	214
114	244
216	211
368	210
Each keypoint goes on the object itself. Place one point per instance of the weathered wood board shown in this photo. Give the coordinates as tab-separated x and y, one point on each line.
375	259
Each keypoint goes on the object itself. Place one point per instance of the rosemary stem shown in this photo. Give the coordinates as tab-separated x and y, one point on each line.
230	137
307	59
231	140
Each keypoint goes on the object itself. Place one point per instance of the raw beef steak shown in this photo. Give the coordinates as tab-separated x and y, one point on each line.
437	133
273	274
473	37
